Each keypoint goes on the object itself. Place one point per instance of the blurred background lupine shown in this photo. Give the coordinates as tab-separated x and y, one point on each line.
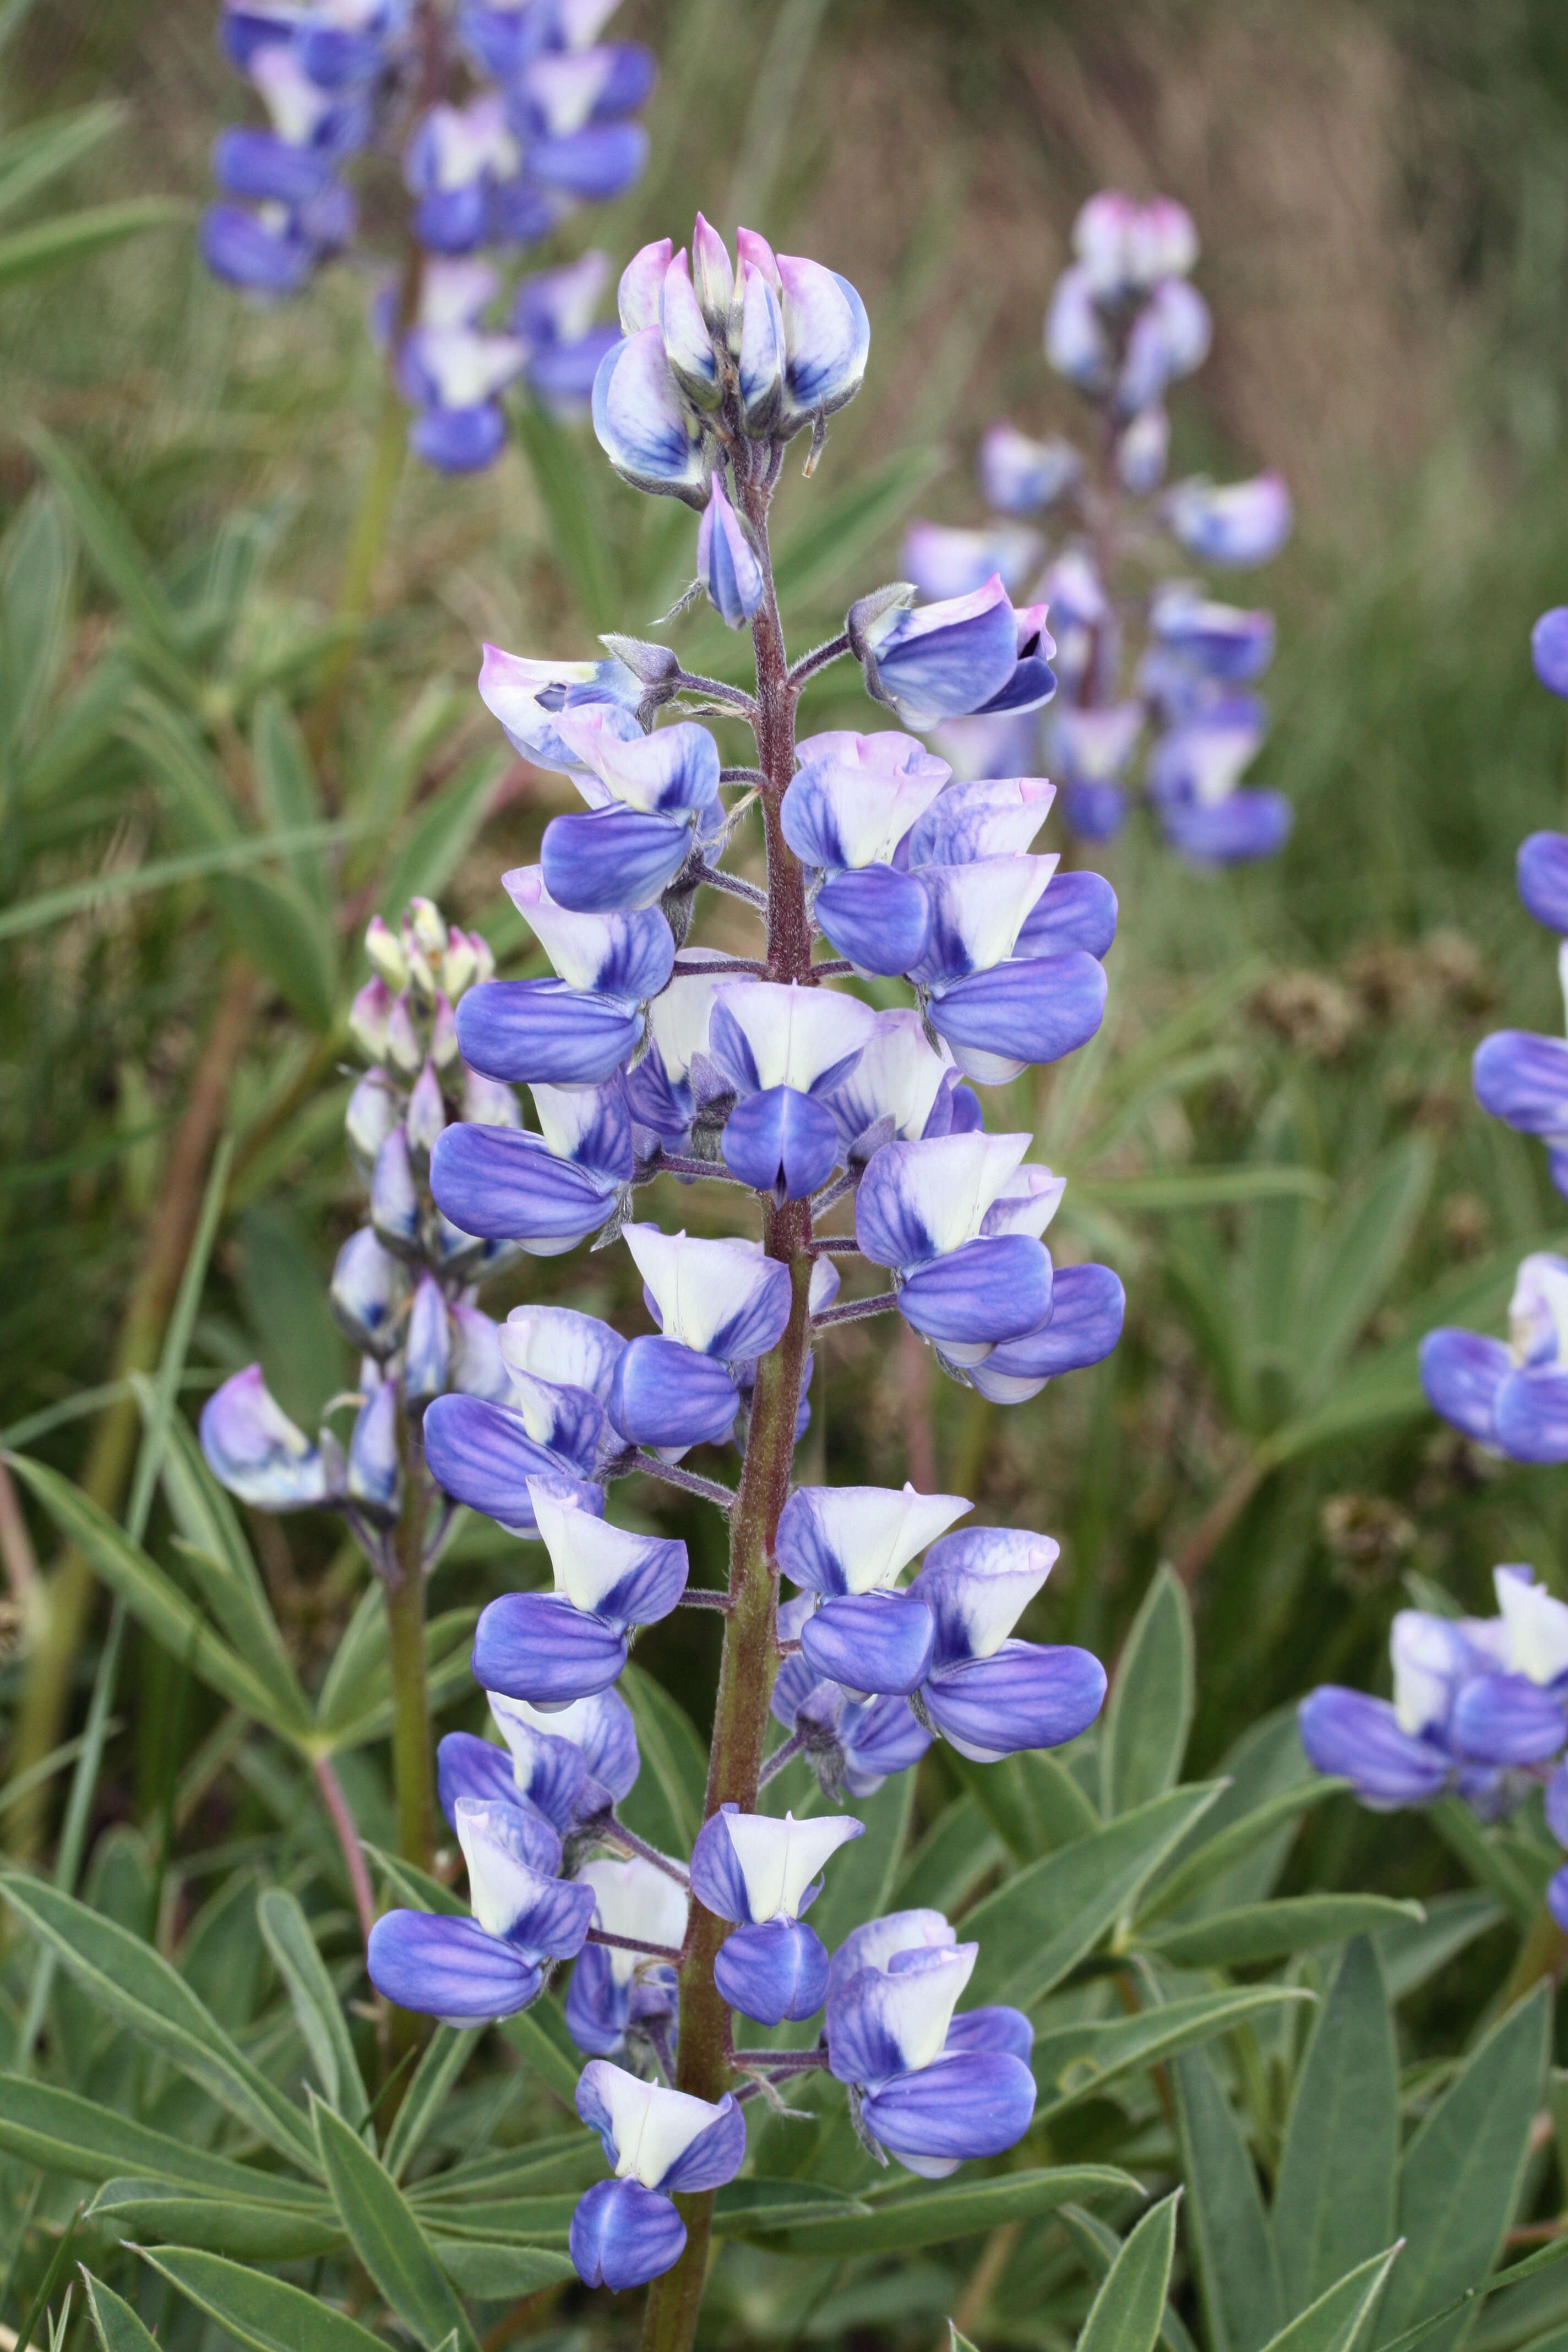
1155	673
502	119
237	723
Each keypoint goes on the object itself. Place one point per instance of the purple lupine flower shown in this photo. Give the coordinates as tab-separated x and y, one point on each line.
763	1874
1123	325
545	127
928	2093
1512	1396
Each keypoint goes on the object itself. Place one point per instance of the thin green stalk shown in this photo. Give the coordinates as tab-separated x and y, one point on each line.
750	1659
412	1768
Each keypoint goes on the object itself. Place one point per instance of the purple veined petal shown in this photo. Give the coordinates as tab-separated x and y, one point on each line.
978	910
368	1289
977	1583
1033	681
559	1346
1548	649
1461	1373
687	341
664	1394
878	1642
1242	523
877	1944
255	1450
1028	1009
1524	1078
476	1769
992	1290
598	2004
449	1968
858	1538
713	2156
1530	1421
877	917
976	2104
994	816
941	661
943	562
510	1894
536	1647
1095	812
918	1201
237	247
1075	910
717	1879
605	1571
481	1454
1018	476
427	1348
1542	871
993	2028
884	2020
773	1971
1359	1739
1506	1719
782	1142
1022	1695
622	2235
505	1184
828	339
541	1030
723	1299
547	1772
878	1740
642	424
762	352
727	563
763	1033
1233	832
613	860
628	954
1557	1804
897	1076
601	1726
1088	1305
527	697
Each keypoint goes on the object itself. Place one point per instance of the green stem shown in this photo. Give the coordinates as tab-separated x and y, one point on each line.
750	1657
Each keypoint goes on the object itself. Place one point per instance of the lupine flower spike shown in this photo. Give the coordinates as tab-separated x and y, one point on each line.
1148	664
510	117
502	1118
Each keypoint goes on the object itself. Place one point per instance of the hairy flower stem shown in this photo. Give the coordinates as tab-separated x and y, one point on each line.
751	1655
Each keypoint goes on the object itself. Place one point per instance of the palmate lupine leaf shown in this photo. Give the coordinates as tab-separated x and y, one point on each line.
385	2235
